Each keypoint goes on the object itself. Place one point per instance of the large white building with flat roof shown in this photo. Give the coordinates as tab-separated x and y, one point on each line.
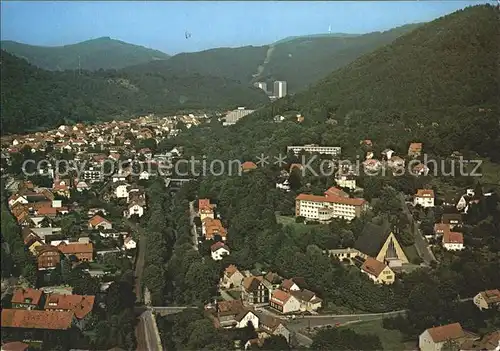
313	148
235	115
280	88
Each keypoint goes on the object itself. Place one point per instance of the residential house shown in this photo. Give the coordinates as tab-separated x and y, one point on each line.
144	175
346	181
275	279
14	346
27	298
232	277
17	198
205	209
82	251
129	243
93	211
81	185
284	302
80	305
415	150
98	222
372	165
47	256
272	326
121	190
212	227
248	166
420	169
232	314
424	198
396	162
453	241
489	342
387	154
219	250
452	219
289	285
485	300
120	176
433	339
307	299
345	254
255	290
36	319
134	208
377	271
440	229
61	187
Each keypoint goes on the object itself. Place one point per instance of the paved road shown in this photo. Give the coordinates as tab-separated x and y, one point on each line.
421	244
150	337
192	214
299	325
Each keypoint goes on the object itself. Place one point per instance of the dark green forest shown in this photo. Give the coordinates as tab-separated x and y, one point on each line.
32	98
437	84
94	54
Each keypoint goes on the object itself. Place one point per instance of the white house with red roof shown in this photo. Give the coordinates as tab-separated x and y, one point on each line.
424	198
219	250
453	241
284	301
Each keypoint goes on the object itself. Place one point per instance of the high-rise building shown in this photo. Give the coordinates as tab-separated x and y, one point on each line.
280	88
261	85
233	116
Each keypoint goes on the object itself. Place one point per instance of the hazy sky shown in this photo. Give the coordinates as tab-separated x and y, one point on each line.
161	25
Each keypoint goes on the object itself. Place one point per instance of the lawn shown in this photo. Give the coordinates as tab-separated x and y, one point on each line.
391	339
299	228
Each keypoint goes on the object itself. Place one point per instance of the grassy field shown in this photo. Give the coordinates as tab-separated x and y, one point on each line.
299	228
391	339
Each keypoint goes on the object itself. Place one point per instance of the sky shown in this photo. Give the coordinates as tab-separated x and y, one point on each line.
162	25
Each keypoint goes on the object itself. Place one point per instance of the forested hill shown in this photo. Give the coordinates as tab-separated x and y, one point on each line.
105	53
437	84
299	60
32	98
303	61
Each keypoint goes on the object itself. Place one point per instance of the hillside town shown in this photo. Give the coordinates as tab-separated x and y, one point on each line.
89	220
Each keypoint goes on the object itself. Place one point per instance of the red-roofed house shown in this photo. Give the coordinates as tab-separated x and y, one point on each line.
453	241
14	346
47	256
98	222
487	299
379	272
424	198
83	251
35	319
433	339
232	277
80	305
415	149
28	298
248	166
219	250
284	302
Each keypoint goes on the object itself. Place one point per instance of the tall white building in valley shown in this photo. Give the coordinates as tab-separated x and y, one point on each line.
280	88
261	85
